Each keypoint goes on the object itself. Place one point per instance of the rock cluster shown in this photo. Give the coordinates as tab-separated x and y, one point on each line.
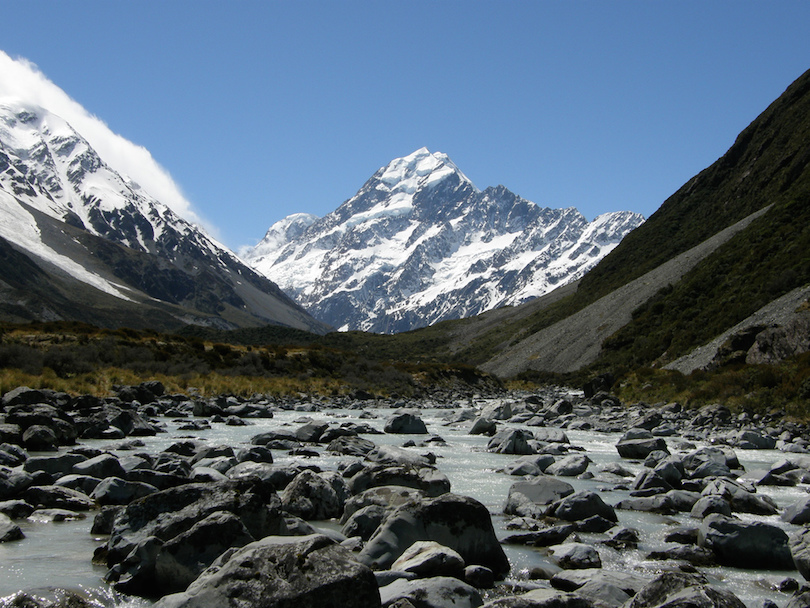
198	524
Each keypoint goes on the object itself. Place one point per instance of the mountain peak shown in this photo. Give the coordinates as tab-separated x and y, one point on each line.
421	168
419	243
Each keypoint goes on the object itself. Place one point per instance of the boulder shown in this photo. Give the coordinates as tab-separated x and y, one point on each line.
427	479
365	521
511	441
582	505
681	589
57	497
117	491
483	426
458	522
405	424
13	482
310	496
387	497
9	531
638	443
279	572
542	598
570	466
532	464
739	544
798	513
104	465
434	592
182	559
529	498
742	499
708	505
429	558
147	523
576	556
799	544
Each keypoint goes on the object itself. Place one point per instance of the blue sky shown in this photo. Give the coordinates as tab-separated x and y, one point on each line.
259	109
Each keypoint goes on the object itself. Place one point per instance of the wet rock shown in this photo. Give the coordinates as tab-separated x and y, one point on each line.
276	572
117	491
708	505
570	466
739	544
533	464
458	522
9	531
529	498
58	498
427	479
105	465
576	556
799	544
582	505
741	498
479	577
365	521
146	524
681	589
511	441
405	424
638	443
351	446
798	513
429	558
310	496
434	592
13	482
483	426
40	438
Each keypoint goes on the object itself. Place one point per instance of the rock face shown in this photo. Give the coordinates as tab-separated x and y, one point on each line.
458	522
280	572
419	227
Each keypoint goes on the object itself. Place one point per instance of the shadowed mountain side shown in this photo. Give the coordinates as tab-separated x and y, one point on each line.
576	341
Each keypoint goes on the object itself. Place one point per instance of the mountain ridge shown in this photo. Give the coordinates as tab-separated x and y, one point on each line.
80	221
420	243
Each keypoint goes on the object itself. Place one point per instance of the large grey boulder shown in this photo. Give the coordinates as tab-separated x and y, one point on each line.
638	443
282	572
739	544
570	466
741	498
542	598
680	589
310	496
458	522
427	479
405	423
576	556
434	592
582	505
427	558
104	465
182	559
511	441
531	464
149	522
530	498
799	544
117	491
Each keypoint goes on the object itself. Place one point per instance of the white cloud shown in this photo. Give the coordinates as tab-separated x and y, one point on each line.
22	79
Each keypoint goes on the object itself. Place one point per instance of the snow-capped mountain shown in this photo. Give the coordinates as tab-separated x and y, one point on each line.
419	243
101	249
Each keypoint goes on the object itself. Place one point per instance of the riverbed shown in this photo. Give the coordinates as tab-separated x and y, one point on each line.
59	554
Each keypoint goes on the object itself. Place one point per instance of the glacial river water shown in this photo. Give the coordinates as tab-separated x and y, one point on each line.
59	554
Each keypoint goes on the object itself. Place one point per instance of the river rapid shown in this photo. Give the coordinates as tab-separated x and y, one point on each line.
58	554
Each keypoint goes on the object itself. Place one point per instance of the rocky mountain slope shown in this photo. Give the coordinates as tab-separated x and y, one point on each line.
79	241
419	243
708	268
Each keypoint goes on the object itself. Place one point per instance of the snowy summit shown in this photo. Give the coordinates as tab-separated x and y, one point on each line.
419	243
